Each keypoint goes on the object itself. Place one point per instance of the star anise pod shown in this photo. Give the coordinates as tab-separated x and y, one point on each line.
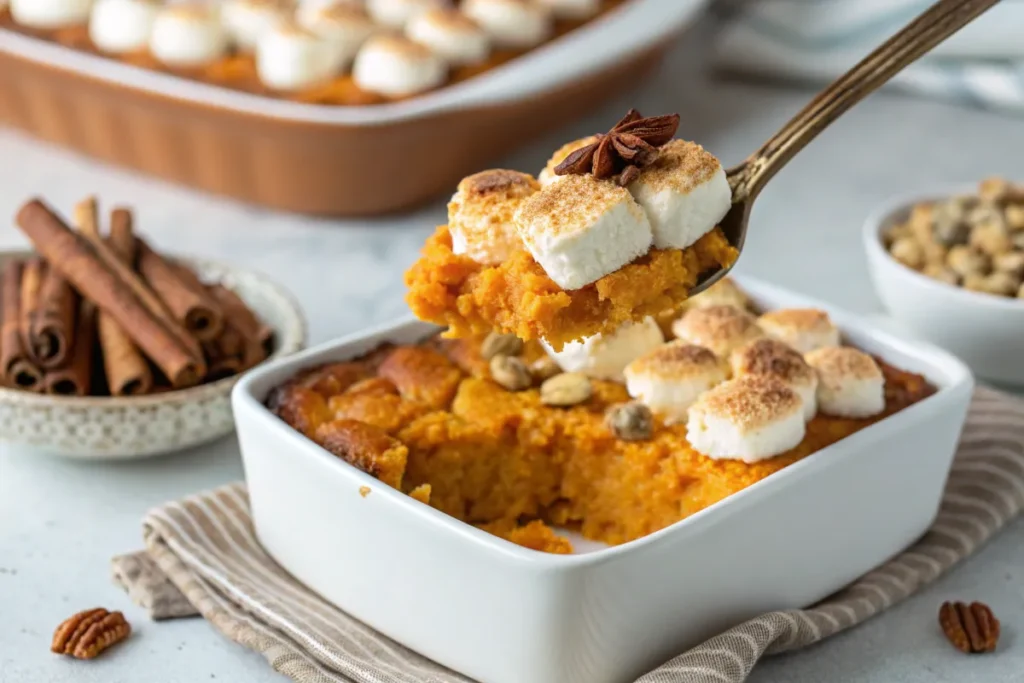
630	145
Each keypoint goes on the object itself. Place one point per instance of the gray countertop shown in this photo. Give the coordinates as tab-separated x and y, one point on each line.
61	521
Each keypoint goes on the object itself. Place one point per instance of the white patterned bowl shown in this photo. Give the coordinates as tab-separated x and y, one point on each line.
103	428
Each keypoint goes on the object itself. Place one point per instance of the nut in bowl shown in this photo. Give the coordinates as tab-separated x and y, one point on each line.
949	265
103	360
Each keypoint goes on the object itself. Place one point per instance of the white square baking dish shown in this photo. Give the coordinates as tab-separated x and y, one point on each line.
500	613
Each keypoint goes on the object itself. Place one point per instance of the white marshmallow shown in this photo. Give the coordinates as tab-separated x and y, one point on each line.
342	25
772	358
119	26
581	229
805	329
850	383
514	24
396	14
547	175
669	378
748	419
188	36
725	292
480	214
50	14
719	328
450	34
291	58
572	9
247	20
397	67
685	194
605	356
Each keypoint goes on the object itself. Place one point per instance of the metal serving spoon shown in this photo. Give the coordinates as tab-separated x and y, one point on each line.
940	21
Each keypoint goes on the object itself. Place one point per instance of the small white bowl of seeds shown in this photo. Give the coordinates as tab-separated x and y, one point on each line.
950	266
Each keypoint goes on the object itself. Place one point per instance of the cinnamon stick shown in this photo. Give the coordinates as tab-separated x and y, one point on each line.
75	379
16	368
256	336
224	355
48	317
100	275
124	366
191	306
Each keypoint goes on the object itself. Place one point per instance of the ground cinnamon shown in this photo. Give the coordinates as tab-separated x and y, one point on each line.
190	305
126	369
17	370
99	274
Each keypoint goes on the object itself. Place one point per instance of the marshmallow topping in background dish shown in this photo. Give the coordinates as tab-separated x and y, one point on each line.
395	66
50	14
685	194
581	229
749	418
395	14
850	383
547	175
120	26
771	358
605	356
669	378
344	26
725	292
452	35
514	24
719	328
188	36
576	10
289	57
805	329
480	214
247	20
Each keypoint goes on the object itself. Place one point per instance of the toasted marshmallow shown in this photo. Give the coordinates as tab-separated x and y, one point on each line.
247	20
605	356
188	36
450	34
772	358
480	214
50	14
396	67
685	194
805	329
119	26
342	25
720	328
749	418
669	378
725	292
514	24
581	229
572	9
547	175
850	383
396	14
289	57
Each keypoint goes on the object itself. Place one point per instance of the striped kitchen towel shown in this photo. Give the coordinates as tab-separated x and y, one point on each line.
818	40
205	547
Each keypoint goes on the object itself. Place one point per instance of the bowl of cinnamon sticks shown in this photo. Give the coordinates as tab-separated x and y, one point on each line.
110	349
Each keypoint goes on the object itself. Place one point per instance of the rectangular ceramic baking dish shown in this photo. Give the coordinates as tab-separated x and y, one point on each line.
319	159
500	613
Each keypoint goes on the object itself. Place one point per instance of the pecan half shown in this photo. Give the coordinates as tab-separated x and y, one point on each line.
86	634
970	628
630	145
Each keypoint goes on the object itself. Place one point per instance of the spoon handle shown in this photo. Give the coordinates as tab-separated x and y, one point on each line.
940	21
